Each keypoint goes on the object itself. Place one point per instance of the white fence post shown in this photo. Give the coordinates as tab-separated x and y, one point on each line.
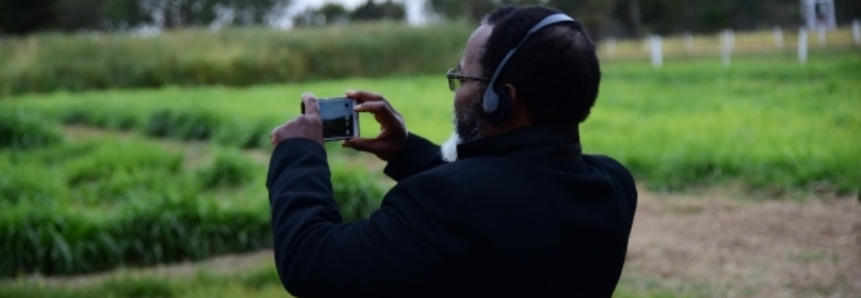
778	37
820	31
727	44
856	32
689	42
611	46
802	45
656	48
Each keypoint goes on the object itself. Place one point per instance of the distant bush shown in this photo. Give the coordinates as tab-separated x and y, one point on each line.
238	134
20	130
230	169
232	57
110	116
115	171
186	124
113	159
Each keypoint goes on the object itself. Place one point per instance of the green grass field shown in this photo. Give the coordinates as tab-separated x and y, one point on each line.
767	122
229	56
97	202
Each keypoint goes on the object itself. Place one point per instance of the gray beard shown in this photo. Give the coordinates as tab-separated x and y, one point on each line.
467	128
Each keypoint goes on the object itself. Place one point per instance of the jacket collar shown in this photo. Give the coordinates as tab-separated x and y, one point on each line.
542	143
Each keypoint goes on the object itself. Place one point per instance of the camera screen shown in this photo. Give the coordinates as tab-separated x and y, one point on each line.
337	118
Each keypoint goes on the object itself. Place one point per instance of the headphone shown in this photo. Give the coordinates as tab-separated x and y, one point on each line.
497	101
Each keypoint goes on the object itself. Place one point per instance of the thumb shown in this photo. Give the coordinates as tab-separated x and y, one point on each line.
311	107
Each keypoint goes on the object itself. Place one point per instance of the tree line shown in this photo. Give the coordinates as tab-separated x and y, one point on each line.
636	18
333	13
622	18
26	16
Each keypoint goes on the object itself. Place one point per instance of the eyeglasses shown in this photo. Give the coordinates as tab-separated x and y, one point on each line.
456	79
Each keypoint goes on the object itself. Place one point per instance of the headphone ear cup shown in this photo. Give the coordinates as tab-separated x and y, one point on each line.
503	107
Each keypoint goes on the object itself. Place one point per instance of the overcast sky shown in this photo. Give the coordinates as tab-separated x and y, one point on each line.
413	7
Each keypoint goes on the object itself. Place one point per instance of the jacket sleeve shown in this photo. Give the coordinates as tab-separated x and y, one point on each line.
418	155
405	249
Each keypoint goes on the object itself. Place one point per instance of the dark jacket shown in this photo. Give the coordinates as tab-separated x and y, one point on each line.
519	214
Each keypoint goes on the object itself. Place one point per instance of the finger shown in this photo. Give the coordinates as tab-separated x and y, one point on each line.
375	107
275	129
383	112
311	107
360	144
272	135
364	96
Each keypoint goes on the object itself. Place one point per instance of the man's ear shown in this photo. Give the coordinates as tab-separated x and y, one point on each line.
512	94
519	115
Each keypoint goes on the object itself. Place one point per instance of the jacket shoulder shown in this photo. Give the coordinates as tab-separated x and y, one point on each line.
608	164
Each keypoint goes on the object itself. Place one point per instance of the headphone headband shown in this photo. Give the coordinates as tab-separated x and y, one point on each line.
491	99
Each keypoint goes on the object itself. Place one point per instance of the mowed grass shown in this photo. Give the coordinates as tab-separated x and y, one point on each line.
766	122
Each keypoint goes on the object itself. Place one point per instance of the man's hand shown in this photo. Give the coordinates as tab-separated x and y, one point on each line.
393	131
309	126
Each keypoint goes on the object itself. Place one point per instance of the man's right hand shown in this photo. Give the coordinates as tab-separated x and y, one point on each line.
393	130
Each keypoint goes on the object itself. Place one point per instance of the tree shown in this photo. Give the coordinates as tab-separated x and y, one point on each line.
335	13
179	13
371	11
121	14
472	10
253	12
182	13
596	15
25	16
329	14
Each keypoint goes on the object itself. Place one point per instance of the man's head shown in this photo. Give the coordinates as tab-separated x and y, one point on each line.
552	80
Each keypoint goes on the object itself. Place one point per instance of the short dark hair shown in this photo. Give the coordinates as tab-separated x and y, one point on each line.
556	72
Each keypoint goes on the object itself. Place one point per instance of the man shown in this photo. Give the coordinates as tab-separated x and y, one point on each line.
515	209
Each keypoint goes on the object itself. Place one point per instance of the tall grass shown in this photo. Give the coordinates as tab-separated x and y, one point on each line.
231	57
90	206
766	122
22	130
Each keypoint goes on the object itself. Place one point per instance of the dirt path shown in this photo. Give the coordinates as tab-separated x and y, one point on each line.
747	249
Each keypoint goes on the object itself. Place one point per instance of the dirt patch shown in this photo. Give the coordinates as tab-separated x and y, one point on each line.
746	249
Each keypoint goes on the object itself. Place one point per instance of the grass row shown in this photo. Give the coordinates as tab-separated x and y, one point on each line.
253	56
92	205
766	122
230	57
262	282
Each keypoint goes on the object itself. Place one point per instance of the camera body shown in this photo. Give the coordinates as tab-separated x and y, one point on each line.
340	121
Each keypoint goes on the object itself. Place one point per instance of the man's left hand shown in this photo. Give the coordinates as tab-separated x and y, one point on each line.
309	125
